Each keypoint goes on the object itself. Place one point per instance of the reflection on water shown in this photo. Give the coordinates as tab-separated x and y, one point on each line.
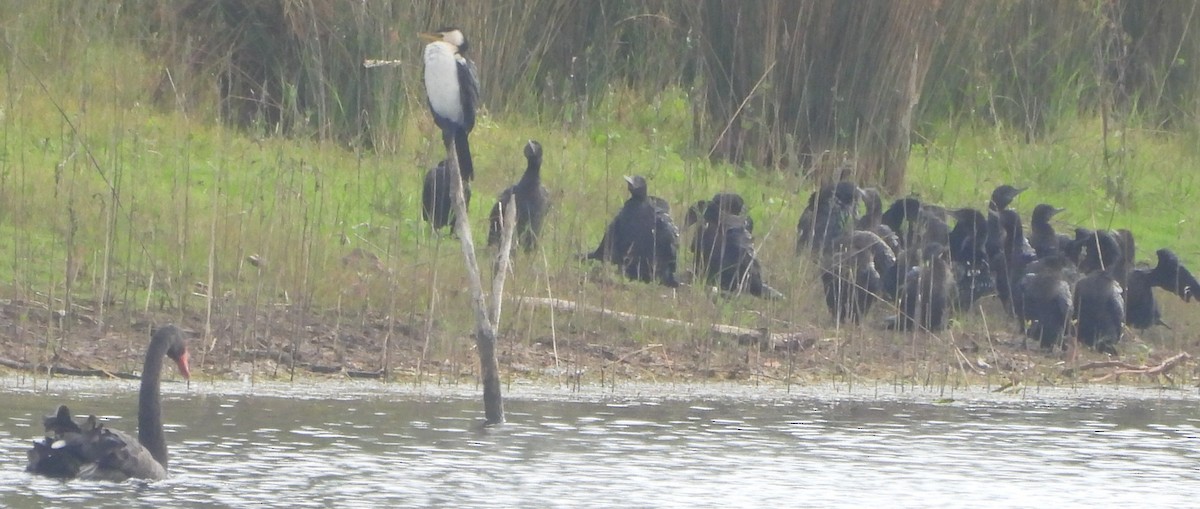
364	446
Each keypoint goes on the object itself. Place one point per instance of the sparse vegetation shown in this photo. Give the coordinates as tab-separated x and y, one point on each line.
134	188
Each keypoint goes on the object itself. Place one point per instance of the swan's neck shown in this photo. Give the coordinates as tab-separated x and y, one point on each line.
150	425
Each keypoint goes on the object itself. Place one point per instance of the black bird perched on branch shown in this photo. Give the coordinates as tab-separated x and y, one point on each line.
642	239
452	89
437	202
532	201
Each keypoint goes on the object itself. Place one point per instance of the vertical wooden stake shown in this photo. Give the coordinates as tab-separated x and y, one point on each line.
485	326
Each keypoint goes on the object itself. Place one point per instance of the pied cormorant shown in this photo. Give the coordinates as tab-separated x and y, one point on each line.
452	88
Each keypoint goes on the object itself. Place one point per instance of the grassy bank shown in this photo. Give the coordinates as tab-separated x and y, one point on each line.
115	213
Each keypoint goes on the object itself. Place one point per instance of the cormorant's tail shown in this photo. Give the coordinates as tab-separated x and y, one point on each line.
465	167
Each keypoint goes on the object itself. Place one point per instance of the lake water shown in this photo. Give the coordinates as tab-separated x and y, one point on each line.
338	444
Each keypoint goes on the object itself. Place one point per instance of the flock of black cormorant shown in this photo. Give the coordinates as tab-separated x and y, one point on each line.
1054	285
906	257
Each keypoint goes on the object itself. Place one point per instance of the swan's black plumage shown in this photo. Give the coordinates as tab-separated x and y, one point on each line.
94	451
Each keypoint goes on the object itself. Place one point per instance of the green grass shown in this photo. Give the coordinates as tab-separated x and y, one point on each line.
1145	186
173	199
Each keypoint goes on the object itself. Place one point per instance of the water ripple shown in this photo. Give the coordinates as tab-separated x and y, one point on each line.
389	450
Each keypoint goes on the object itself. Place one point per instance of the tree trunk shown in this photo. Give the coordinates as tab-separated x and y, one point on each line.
485	326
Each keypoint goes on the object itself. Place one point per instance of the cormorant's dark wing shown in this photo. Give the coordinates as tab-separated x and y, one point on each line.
740	244
1173	276
468	83
804	227
1100	311
738	258
660	204
1047	301
604	252
666	246
695	213
1128	252
1141	308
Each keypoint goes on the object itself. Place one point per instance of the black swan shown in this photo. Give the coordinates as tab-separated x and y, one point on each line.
89	450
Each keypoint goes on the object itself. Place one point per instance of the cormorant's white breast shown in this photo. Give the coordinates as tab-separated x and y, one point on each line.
451	84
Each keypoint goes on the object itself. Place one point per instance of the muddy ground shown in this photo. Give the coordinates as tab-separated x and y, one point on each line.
284	343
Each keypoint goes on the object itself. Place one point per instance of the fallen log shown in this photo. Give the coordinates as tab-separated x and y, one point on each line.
743	335
1123	368
63	370
1100	365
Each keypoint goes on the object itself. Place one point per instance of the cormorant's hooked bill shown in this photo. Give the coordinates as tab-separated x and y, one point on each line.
452	89
1003	196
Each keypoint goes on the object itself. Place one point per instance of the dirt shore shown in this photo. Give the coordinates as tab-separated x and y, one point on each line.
287	343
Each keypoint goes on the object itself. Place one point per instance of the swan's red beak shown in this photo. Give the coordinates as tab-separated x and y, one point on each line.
182	362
